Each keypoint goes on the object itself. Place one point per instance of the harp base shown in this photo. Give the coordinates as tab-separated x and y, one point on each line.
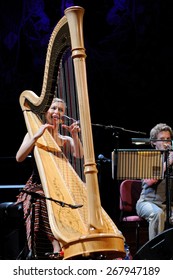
102	246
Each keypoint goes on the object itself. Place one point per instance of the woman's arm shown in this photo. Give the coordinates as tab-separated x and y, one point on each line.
77	146
29	142
75	142
25	148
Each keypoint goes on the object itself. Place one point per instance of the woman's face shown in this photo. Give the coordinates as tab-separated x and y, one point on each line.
163	145
55	112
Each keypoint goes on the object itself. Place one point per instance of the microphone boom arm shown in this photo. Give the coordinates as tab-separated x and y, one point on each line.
119	128
61	203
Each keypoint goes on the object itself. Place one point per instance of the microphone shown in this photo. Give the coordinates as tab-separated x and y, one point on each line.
167	146
76	206
141	141
147	141
103	158
72	119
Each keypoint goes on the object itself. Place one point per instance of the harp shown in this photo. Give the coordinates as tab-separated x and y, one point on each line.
88	230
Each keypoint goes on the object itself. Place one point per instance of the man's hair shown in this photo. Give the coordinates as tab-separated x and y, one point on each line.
157	129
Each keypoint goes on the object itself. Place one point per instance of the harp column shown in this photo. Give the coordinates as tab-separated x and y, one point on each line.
75	20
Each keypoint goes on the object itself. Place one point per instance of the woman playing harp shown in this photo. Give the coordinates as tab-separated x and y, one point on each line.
86	231
72	144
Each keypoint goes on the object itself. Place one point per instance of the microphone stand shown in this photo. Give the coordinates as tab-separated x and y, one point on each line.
118	128
168	194
115	134
32	254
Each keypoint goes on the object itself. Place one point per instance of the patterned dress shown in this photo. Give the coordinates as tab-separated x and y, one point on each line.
38	232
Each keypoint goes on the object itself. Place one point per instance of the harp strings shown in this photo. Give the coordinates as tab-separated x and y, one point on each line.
66	89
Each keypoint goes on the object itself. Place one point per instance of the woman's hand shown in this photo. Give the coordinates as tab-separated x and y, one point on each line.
73	128
41	130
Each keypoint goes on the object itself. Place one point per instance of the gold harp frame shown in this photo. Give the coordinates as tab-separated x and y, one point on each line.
86	230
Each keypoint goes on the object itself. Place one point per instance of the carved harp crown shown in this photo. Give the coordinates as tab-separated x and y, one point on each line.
86	230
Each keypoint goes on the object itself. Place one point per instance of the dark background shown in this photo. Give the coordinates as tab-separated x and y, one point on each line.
129	68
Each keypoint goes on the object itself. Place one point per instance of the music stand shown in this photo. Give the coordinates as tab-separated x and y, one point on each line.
137	164
142	164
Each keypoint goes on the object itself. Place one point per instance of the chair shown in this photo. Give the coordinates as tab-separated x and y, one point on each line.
129	194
